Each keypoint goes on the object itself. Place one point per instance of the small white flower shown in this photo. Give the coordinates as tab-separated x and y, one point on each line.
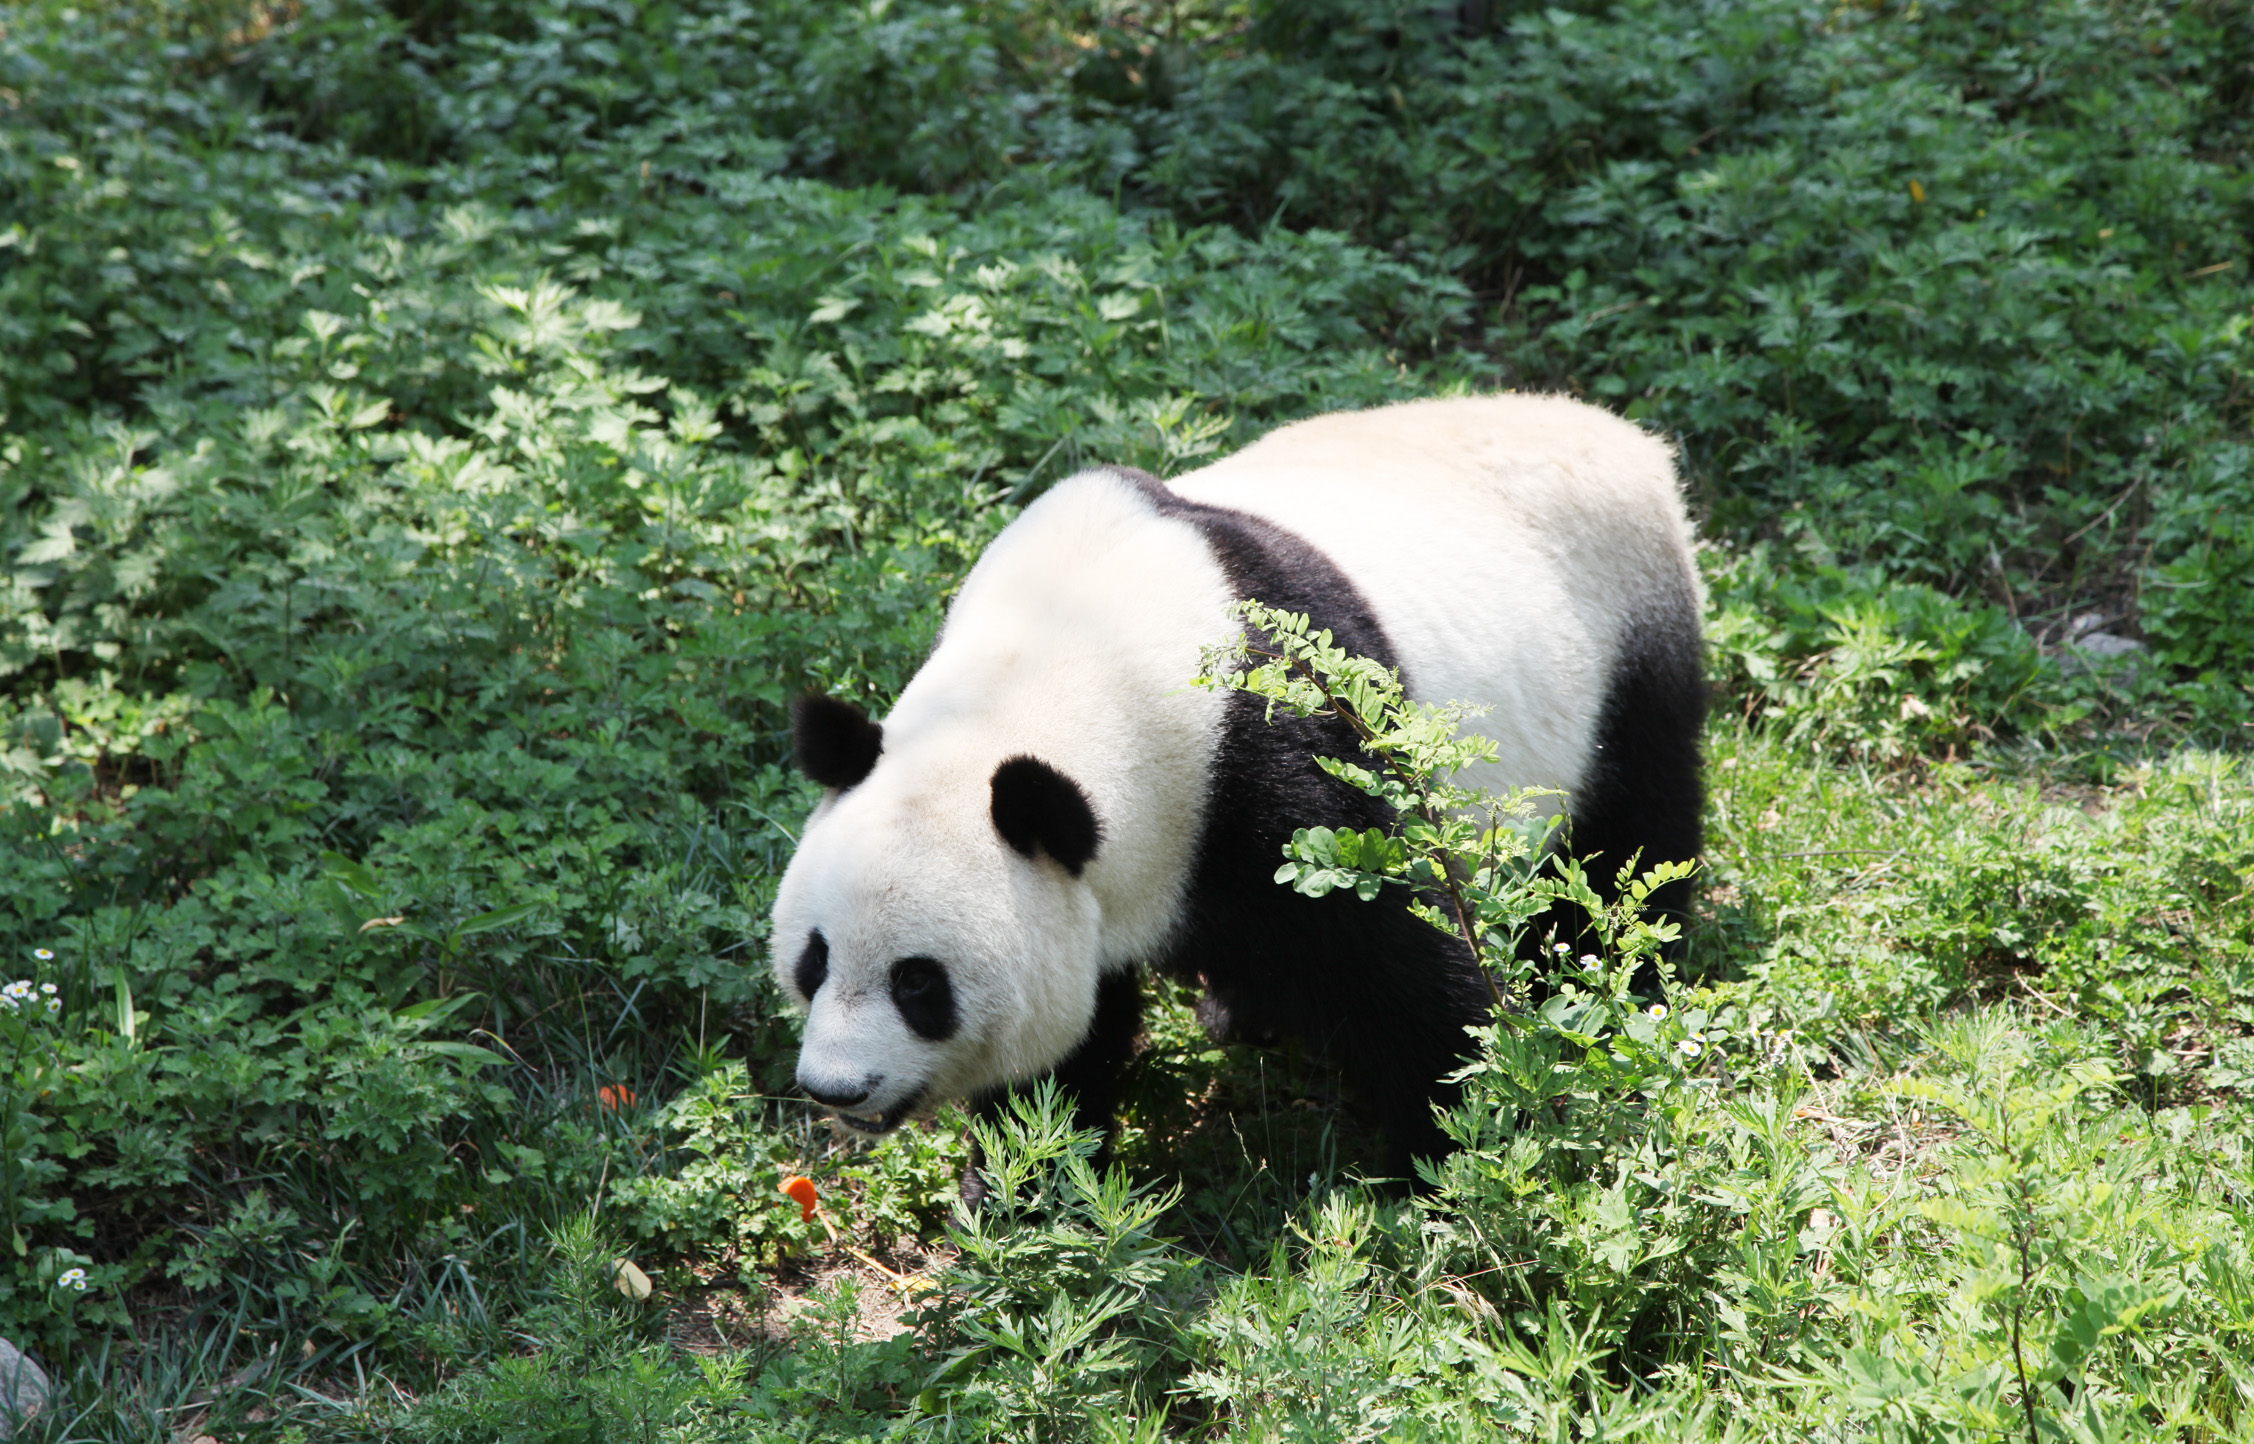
1657	1010
72	1279
47	988
54	1005
1562	950
20	988
1589	961
1691	1047
45	955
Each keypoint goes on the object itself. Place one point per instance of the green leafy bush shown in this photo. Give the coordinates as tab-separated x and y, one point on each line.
2195	602
436	438
1059	1308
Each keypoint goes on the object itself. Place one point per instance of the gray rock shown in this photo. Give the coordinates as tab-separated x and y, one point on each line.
24	1389
2106	644
2084	645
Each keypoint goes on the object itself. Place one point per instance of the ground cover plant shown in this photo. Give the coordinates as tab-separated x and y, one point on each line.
437	438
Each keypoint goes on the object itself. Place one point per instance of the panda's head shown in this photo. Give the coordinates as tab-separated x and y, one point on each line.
934	922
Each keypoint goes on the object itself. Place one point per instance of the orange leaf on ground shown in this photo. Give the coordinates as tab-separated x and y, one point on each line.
615	1096
801	1190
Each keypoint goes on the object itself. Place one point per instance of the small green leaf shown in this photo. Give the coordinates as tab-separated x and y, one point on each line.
494	920
465	1052
356	877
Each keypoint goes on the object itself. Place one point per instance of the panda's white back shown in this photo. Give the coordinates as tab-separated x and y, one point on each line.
1506	544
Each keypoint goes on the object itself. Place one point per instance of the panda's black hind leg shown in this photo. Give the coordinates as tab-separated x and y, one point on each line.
1645	795
1404	1112
1091	1077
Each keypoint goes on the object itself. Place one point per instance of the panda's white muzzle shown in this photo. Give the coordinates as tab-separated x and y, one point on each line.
880	1123
860	1061
850	1101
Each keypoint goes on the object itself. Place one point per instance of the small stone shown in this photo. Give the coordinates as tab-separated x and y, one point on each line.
2091	651
2106	644
24	1389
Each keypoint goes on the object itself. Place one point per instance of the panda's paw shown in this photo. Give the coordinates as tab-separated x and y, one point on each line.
1224	1024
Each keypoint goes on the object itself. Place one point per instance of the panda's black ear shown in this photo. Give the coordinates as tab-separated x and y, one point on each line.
835	741
1037	808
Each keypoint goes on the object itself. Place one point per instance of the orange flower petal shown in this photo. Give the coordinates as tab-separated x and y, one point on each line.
802	1192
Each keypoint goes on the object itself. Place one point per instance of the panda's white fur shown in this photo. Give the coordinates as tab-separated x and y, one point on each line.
1506	545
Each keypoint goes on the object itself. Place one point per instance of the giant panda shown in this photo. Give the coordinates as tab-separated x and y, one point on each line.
1052	806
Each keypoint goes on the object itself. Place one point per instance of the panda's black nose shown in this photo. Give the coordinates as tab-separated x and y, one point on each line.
836	1092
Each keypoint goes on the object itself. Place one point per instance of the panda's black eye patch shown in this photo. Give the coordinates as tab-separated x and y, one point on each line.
813	967
925	997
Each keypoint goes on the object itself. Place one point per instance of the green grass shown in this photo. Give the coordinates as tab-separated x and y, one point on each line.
436	438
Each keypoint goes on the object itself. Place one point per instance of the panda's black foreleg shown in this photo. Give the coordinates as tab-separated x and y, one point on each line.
1090	1076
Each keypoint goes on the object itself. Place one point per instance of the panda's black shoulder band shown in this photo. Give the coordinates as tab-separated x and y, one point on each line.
835	742
1039	809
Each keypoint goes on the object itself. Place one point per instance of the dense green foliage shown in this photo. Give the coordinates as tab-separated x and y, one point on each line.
436	436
